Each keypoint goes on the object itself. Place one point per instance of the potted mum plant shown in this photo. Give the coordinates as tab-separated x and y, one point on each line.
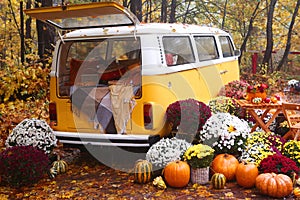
199	157
291	149
32	132
224	104
187	118
260	145
279	164
225	133
236	89
165	151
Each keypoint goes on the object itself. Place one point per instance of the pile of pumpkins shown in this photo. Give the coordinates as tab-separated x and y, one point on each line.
225	168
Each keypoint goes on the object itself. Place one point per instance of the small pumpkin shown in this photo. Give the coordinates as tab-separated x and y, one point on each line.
177	173
218	181
257	100
142	171
60	166
274	185
296	192
246	174
225	164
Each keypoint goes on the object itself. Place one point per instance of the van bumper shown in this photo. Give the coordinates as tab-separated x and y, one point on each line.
75	138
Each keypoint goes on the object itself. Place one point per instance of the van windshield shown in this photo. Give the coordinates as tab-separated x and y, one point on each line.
98	63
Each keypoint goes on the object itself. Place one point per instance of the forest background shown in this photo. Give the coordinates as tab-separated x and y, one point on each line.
268	29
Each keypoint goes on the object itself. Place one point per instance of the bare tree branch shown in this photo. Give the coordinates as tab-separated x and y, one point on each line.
14	16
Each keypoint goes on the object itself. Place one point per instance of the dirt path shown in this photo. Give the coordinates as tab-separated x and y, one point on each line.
88	179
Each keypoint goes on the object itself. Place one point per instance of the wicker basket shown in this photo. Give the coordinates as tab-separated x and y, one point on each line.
200	175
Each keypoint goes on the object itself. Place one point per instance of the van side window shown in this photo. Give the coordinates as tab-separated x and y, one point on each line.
206	47
178	50
227	47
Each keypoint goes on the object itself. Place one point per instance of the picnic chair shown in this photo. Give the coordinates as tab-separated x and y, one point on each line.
291	112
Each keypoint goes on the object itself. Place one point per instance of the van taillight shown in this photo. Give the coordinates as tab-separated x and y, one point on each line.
53	114
148	116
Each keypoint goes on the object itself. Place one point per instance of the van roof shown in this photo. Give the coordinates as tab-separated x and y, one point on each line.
147	28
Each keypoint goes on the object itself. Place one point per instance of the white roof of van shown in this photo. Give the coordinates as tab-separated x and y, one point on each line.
149	28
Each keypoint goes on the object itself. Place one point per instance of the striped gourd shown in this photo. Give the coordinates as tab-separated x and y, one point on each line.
52	172
142	171
60	166
218	181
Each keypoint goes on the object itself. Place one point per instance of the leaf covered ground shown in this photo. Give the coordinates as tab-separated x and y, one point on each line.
87	178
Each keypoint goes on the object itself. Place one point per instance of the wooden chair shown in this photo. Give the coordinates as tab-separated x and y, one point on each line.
291	112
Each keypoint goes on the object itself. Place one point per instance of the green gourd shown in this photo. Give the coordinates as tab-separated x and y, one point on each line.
142	171
218	181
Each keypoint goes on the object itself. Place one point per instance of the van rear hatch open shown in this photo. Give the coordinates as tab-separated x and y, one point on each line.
80	16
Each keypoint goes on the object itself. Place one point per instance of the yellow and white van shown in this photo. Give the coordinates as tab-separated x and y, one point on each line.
113	77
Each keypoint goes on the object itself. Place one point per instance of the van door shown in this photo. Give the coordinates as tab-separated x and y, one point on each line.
227	70
209	59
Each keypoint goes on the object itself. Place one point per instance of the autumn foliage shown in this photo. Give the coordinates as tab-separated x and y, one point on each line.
23	93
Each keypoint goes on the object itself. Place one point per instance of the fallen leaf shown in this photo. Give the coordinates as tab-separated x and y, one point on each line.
229	194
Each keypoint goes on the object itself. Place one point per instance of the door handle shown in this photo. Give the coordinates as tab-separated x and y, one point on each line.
223	71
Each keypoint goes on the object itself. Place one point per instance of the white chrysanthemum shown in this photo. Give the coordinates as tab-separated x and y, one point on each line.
166	150
225	132
32	132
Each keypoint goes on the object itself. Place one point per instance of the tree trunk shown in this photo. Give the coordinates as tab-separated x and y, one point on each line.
248	34
187	11
136	8
163	14
173	12
289	38
269	47
46	34
224	15
28	22
22	33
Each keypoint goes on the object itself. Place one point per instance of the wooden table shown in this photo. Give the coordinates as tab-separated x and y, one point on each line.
266	107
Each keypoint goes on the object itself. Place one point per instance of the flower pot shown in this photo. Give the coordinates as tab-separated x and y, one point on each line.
200	175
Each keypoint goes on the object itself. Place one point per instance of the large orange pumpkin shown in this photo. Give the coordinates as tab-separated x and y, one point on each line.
177	174
274	185
225	164
246	174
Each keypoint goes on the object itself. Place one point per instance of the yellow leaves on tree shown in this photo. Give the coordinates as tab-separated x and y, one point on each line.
20	82
23	93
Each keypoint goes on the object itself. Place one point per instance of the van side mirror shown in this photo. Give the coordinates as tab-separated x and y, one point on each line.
237	52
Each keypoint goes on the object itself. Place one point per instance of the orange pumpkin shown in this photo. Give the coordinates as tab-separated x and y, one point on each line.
246	174
177	174
274	185
225	164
